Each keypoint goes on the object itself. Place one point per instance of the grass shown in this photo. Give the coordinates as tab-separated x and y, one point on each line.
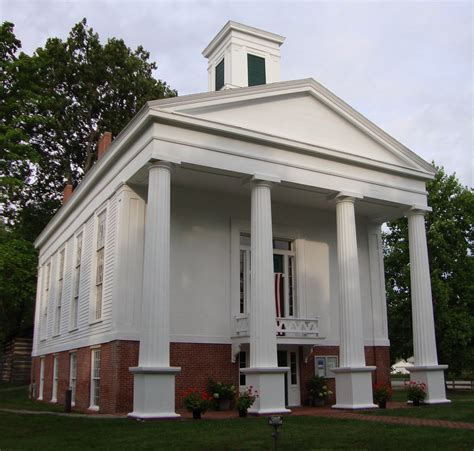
298	433
16	397
461	408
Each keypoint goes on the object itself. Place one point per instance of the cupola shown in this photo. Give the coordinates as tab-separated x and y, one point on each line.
241	56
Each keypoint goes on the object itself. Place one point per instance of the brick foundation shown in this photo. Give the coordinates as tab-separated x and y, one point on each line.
198	362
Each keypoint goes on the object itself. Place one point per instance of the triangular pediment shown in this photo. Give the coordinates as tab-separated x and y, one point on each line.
300	115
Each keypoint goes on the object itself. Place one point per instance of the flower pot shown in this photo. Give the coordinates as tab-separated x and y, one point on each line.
197	414
416	402
242	413
224	404
383	404
317	402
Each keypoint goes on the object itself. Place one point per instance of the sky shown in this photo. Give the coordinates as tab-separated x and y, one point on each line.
405	65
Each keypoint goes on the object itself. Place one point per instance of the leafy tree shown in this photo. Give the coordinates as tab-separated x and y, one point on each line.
18	262
75	89
450	236
54	105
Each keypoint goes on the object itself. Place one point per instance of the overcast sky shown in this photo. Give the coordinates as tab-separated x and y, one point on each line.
406	65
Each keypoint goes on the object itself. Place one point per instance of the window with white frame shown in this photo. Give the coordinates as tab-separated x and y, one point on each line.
324	365
242	364
73	376
57	317
99	278
95	379
284	276
46	290
54	396
77	281
41	381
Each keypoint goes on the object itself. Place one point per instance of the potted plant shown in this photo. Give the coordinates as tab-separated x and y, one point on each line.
245	400
318	391
416	392
222	394
382	394
196	401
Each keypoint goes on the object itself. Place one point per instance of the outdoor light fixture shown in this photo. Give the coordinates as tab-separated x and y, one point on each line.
276	421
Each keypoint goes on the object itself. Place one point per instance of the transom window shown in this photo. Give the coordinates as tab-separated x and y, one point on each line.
284	276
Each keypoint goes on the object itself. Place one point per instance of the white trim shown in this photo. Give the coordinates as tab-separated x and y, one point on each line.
55	381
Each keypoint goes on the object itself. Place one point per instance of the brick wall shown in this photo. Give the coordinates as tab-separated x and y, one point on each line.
378	356
198	362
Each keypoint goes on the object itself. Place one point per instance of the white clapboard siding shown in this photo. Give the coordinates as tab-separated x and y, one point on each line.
86	328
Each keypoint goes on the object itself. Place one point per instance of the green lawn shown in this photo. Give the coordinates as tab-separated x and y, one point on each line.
461	408
299	433
16	397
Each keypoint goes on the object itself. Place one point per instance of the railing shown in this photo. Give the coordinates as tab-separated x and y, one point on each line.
285	327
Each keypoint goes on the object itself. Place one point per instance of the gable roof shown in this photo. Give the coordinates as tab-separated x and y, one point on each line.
197	105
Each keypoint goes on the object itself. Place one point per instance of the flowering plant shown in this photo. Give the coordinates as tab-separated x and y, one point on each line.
382	392
196	400
220	391
416	392
318	389
246	399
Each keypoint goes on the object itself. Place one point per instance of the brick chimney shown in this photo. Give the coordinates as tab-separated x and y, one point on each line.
67	193
104	142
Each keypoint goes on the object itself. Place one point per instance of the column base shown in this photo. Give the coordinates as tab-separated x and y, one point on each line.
354	388
433	377
154	392
270	385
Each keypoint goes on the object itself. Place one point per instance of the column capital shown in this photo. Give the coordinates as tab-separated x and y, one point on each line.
160	164
345	196
418	210
262	180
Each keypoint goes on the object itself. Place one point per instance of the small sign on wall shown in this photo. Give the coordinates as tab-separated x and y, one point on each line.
324	365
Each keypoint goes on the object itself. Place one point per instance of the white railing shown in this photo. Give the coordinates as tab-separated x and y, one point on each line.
297	327
285	327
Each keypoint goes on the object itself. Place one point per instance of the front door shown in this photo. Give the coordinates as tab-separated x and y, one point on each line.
289	358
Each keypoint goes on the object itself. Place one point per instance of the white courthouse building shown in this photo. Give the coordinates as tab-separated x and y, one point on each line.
232	234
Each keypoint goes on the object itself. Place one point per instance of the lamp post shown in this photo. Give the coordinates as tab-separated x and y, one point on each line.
276	421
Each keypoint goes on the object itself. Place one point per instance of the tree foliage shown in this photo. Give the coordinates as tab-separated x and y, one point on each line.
450	236
54	105
61	99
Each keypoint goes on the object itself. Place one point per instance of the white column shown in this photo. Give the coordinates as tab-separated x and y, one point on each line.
264	373
353	377
263	344
426	368
154	385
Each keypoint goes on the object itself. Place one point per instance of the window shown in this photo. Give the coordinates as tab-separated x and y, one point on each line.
99	278
57	318
54	396
220	75
284	273
73	376
324	364
77	280
293	369
95	379
242	364
46	288
41	387
256	70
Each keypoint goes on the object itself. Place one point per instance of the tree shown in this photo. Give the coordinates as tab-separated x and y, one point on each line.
450	236
18	261
75	89
54	105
